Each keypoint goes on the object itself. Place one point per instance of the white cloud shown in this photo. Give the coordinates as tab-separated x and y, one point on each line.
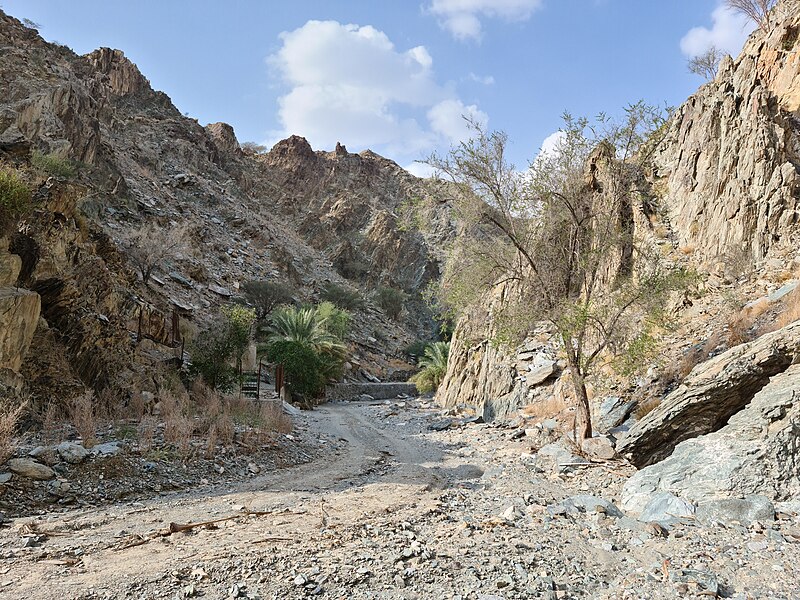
462	18
451	119
486	80
729	31
420	169
551	142
349	83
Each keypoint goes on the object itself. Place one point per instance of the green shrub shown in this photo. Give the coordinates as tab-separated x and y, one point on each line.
264	296
15	198
391	300
334	319
301	366
54	165
223	342
416	349
434	367
341	296
211	352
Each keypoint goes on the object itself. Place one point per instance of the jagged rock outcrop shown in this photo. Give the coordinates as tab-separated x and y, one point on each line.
710	395
19	315
729	164
755	453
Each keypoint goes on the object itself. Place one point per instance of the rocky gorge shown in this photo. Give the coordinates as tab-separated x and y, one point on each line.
111	487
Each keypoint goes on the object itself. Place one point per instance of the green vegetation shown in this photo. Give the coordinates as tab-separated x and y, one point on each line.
217	351
309	342
341	296
558	247
264	296
15	198
434	366
54	165
391	300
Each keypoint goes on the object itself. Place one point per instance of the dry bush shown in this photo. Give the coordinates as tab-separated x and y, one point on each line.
137	406
223	429
646	406
791	309
146	431
83	418
273	419
8	423
211	443
546	408
52	424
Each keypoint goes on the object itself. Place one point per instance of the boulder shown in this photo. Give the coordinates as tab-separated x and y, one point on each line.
753	454
742	510
71	452
540	373
25	467
612	412
600	447
555	457
710	395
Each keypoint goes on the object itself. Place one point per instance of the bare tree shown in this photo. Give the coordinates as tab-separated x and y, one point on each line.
707	63
151	246
756	10
560	239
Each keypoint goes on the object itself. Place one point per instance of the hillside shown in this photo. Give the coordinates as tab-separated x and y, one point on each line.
294	216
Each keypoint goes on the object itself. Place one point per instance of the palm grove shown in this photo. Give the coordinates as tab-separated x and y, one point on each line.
559	240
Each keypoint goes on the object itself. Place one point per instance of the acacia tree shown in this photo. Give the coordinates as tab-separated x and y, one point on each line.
152	245
756	10
560	238
707	63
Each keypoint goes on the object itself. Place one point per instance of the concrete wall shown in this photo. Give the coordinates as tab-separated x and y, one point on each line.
379	391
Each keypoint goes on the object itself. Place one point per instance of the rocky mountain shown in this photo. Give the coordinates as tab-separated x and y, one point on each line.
303	218
728	201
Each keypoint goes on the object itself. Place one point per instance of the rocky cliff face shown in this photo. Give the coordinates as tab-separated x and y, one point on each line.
726	184
730	162
294	215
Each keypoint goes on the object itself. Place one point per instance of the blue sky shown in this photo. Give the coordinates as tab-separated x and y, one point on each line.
397	75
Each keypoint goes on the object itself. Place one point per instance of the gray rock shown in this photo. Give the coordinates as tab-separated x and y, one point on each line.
612	412
599	447
25	467
555	457
666	509
747	456
584	504
711	394
743	510
37	452
58	488
292	410
71	452
540	373
107	449
5	478
698	582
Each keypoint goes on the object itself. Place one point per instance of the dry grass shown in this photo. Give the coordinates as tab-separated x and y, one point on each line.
146	431
791	309
8	424
550	407
83	418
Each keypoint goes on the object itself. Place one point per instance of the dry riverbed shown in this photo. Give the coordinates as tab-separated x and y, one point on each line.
400	502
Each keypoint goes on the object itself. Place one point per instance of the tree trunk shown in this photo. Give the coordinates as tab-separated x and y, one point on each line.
584	416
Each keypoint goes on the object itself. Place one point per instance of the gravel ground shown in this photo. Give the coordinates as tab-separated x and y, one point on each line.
395	509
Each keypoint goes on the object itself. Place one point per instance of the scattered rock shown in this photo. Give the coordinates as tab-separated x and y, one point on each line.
25	467
744	510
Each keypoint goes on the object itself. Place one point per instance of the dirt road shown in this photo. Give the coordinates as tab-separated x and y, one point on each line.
399	511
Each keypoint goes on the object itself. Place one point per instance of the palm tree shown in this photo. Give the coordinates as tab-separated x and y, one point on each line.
306	326
434	366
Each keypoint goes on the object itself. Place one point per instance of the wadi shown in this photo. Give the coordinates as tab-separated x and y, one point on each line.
234	369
